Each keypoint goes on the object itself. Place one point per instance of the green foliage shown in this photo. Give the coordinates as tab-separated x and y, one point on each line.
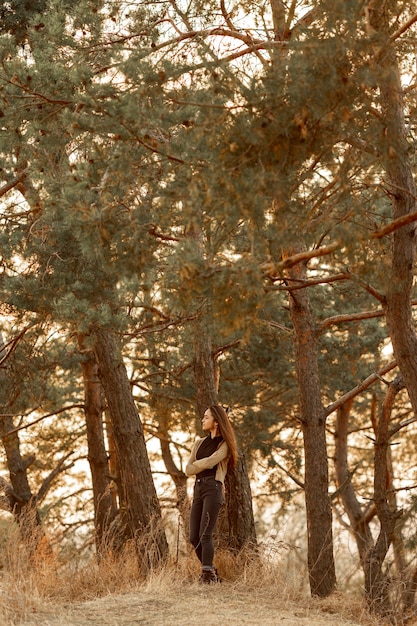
16	16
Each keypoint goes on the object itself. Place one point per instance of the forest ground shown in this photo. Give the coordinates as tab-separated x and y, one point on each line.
191	605
257	594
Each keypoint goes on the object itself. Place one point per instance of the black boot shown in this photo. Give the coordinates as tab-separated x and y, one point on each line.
209	576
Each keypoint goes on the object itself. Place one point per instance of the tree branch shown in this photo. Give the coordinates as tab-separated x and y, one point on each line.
396	429
360	144
352	317
271	269
9	492
226	347
305	20
301	257
395	225
378	296
226	15
404	27
150	147
39	419
310	283
298	482
13	183
152	231
357	390
44	488
34	94
12	343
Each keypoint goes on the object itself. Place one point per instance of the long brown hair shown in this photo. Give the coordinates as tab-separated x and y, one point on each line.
226	431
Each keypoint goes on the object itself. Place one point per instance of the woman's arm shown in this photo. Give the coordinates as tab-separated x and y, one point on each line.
190	463
195	466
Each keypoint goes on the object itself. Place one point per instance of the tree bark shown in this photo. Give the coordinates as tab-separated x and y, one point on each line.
180	481
407	581
203	367
239	511
399	288
206	380
375	580
22	503
396	161
105	510
116	490
236	526
359	519
139	494
321	567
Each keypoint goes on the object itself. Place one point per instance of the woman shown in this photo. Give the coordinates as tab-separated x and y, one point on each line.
209	461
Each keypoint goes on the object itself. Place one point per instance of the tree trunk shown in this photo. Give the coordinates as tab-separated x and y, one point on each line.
398	310
21	502
180	481
139	494
236	526
239	511
407	581
104	507
203	368
321	565
359	519
115	488
375	580
402	189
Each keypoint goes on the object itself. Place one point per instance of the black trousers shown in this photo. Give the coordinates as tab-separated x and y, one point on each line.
208	498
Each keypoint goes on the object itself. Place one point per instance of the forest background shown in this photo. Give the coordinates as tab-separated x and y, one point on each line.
211	202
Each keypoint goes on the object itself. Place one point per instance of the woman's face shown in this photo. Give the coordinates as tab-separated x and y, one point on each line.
208	422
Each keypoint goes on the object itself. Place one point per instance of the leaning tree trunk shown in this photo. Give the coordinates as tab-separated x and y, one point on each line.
21	502
359	518
407	577
177	475
139	494
105	510
236	527
375	579
321	567
179	479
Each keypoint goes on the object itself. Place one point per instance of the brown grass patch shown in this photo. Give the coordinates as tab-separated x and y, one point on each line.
256	590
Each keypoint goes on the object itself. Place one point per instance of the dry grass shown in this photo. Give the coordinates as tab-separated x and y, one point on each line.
255	591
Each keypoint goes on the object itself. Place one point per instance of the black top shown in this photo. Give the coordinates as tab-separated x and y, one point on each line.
206	448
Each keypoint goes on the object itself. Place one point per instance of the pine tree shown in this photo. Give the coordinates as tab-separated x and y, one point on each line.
74	221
